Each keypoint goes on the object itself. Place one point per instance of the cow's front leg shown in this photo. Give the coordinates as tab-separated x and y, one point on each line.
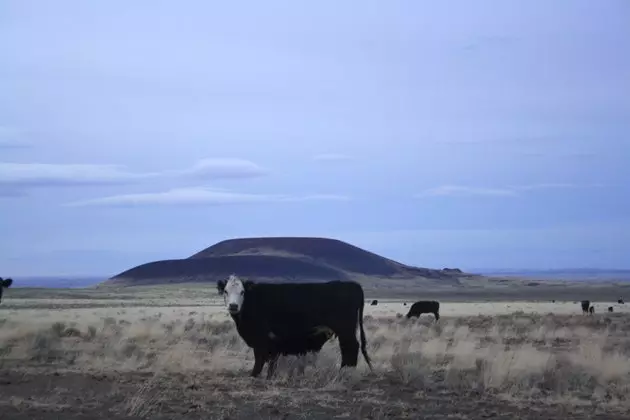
260	357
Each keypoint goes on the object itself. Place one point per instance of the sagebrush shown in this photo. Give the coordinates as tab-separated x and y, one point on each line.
520	355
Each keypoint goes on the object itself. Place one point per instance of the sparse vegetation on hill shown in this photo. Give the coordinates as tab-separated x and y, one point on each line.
279	258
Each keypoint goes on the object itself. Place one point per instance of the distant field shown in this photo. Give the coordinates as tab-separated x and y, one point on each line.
475	289
172	352
589	275
72	309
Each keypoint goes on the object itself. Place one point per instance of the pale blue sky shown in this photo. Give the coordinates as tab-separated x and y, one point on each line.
459	134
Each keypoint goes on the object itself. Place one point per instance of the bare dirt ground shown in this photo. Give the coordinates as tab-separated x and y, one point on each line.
161	356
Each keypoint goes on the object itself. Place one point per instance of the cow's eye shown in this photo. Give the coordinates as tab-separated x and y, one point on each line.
242	292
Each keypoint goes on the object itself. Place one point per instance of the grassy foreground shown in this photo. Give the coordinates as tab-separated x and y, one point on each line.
187	361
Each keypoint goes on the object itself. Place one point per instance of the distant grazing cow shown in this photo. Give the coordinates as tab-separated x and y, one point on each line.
585	305
4	284
287	317
620	301
591	310
405	304
610	309
553	301
374	302
425	307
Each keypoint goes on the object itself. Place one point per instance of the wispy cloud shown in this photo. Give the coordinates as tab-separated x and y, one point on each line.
500	140
199	196
559	154
509	191
456	190
326	157
214	168
57	175
554	185
44	174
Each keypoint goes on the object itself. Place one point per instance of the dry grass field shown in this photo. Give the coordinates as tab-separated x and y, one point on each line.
146	353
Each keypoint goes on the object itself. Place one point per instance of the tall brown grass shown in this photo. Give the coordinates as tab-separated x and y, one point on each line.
518	356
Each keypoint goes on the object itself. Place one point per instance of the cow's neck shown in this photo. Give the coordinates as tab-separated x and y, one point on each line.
248	325
237	320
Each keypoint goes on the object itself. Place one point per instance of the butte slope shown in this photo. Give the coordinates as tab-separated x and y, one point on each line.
279	259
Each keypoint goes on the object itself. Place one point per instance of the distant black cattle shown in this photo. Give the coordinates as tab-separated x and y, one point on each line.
425	307
288	317
4	284
553	301
405	304
585	305
374	302
620	301
610	309
591	310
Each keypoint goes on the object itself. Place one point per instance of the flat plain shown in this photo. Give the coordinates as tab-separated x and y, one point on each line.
171	352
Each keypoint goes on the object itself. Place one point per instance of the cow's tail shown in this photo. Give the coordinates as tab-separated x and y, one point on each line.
362	332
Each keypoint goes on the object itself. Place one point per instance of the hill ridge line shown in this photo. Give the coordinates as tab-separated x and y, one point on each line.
280	258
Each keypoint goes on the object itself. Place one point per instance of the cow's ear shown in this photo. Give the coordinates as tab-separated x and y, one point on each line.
7	282
221	286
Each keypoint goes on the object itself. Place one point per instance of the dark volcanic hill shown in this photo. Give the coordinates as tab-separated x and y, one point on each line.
277	259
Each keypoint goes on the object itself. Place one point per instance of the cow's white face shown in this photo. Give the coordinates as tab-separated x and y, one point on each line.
234	294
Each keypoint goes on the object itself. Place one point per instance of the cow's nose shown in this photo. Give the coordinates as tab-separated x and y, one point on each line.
233	307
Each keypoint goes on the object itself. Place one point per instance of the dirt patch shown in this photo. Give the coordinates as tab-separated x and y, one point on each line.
45	394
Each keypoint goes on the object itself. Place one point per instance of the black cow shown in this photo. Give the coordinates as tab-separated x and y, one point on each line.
591	310
374	302
4	284
297	343
585	305
620	301
610	309
272	318
425	307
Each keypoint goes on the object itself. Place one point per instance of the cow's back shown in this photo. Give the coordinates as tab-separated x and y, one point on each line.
309	296
306	305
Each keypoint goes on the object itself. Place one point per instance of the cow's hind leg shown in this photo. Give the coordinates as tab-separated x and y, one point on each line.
349	349
437	315
260	357
302	360
301	365
271	367
314	357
